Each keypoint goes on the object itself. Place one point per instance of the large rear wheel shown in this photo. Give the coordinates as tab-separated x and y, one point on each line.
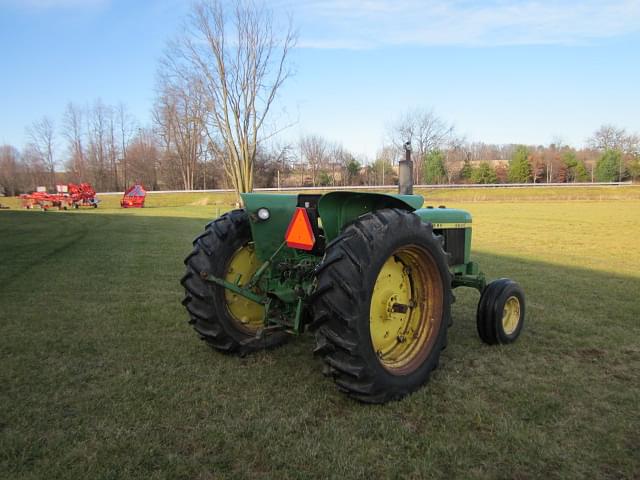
225	320
382	305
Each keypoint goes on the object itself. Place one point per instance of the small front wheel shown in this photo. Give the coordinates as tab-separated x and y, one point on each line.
500	315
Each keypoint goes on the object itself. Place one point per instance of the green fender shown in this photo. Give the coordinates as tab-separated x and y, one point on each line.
336	209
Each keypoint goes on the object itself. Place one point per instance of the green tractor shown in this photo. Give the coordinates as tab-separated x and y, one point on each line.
370	274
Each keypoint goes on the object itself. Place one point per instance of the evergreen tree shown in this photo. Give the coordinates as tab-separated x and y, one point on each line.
467	170
434	172
324	179
580	173
519	166
484	174
570	159
608	165
353	169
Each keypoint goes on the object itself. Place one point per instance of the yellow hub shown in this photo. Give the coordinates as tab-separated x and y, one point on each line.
511	315
243	264
406	308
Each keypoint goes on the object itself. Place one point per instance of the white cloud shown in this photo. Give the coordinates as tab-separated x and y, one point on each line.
373	23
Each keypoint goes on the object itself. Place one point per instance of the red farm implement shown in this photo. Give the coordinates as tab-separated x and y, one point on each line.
67	196
83	195
134	197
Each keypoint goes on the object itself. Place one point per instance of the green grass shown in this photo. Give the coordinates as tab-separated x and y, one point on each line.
101	377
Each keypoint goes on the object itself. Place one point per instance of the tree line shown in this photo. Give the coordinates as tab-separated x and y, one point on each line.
214	125
105	145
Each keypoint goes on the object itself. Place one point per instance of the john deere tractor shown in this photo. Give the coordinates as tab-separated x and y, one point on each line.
371	274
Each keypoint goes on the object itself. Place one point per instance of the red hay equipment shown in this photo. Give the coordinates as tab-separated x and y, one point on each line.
134	197
83	195
67	196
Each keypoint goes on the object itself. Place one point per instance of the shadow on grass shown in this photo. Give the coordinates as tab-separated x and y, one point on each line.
102	374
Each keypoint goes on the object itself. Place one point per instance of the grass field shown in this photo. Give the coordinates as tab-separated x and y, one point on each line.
101	377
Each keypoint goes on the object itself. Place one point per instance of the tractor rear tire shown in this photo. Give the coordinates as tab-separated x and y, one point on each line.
210	305
500	315
382	305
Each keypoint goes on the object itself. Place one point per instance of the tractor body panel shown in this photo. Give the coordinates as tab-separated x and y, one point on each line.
268	235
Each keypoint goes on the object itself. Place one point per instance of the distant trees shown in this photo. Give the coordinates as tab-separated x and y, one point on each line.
610	137
104	145
314	151
426	131
519	167
574	169
615	144
381	172
271	165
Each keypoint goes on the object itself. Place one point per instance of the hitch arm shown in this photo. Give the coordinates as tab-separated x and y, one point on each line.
246	293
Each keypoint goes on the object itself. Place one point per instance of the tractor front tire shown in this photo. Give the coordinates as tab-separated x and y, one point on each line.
500	315
382	305
226	321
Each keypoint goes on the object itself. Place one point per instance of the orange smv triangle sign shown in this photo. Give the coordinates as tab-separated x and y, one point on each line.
299	233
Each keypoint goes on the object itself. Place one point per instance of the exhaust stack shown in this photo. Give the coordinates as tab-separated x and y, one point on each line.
405	172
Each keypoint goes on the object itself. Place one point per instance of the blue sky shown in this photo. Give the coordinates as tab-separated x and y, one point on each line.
501	71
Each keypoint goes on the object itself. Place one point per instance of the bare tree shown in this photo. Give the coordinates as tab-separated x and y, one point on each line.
180	116
35	170
143	158
426	132
315	151
454	156
112	150
97	153
41	135
126	129
241	61
72	131
10	183
609	137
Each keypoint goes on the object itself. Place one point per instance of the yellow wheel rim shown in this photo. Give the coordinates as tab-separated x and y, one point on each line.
511	315
406	310
248	315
